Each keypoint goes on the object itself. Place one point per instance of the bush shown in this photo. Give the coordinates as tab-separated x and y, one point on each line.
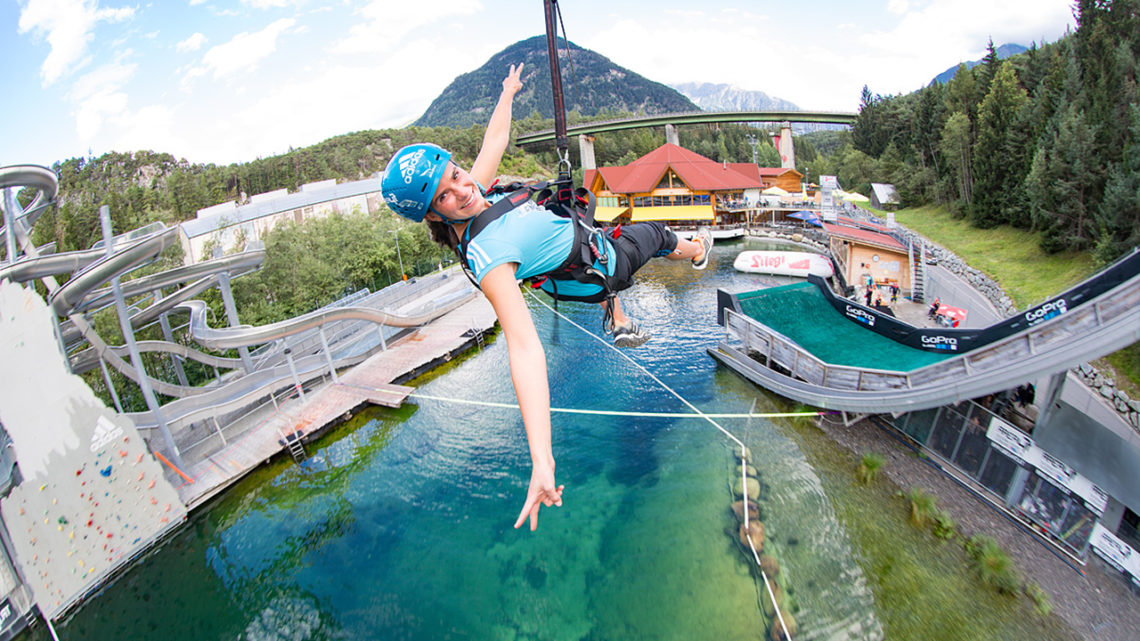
1041	601
922	506
944	525
869	467
993	564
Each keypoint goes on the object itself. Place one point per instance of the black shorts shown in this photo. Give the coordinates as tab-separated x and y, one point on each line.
634	246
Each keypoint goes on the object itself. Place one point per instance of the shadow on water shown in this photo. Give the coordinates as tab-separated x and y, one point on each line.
399	525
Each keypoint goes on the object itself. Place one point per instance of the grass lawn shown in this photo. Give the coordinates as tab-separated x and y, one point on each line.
1013	258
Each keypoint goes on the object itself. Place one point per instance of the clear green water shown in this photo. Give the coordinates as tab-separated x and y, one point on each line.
399	526
828	335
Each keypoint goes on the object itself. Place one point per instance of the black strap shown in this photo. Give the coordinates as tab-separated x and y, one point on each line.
578	205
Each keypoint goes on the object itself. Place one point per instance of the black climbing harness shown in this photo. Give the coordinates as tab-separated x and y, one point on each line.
576	204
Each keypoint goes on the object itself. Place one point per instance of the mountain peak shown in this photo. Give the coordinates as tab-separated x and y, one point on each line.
594	85
725	97
1005	51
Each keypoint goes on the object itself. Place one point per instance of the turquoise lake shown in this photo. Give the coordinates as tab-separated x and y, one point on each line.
399	526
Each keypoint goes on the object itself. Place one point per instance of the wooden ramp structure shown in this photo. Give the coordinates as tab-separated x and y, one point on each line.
369	383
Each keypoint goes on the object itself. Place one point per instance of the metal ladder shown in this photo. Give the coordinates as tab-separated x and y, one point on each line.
918	271
296	447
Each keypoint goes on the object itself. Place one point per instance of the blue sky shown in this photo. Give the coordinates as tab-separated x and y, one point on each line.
221	81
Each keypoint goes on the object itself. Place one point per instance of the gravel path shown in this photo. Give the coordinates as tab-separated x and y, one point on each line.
1097	604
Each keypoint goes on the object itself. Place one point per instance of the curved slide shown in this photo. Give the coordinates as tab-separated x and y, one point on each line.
1097	326
35	177
231	337
137	253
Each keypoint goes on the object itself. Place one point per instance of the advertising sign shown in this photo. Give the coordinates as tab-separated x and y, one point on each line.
1010	440
1021	448
827	187
1117	553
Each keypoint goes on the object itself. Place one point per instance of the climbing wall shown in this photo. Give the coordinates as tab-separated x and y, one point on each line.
92	496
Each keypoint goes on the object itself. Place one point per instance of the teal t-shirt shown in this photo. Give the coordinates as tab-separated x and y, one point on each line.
535	238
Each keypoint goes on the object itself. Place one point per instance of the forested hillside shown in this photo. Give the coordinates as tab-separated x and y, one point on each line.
1047	141
592	85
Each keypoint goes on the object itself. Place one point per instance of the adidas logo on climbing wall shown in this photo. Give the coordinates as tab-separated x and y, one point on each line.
105	433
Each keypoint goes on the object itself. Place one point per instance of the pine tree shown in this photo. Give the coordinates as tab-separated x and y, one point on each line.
989	66
955	145
998	165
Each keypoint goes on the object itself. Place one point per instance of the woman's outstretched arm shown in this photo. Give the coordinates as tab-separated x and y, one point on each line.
498	134
528	374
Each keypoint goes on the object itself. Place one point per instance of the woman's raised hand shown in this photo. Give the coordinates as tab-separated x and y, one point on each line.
513	82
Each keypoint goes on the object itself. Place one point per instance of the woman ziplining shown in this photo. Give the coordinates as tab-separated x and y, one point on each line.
502	238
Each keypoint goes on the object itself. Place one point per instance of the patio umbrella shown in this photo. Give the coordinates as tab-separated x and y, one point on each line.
807	217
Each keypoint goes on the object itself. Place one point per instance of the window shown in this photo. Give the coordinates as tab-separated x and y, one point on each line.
947	432
1129	530
974	443
997	472
918	424
1043	502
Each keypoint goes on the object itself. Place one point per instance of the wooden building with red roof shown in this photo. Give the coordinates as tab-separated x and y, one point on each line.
674	184
860	252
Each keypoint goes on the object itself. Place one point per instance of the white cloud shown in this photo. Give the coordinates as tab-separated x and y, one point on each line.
269	4
193	43
942	33
98	96
245	50
384	24
898	6
194	3
68	27
731	46
154	127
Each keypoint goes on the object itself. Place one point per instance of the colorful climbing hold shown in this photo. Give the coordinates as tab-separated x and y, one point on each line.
106	471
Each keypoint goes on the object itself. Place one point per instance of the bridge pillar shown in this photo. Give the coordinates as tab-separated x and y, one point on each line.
671	135
586	151
785	147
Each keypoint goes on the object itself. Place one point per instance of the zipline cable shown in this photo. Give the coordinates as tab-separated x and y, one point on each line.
573	410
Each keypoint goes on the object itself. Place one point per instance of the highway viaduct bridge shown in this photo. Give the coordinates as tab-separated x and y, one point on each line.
585	131
689	118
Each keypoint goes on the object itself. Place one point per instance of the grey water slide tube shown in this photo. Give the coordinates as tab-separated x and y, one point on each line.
65	299
36	177
232	337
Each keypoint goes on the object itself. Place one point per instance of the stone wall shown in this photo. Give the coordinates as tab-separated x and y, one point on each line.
1106	387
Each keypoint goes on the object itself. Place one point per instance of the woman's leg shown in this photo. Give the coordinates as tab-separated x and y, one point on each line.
620	319
689	249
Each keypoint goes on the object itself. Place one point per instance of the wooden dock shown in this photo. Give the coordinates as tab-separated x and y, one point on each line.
369	382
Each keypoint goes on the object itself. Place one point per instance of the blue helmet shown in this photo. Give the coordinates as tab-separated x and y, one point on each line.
411	178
